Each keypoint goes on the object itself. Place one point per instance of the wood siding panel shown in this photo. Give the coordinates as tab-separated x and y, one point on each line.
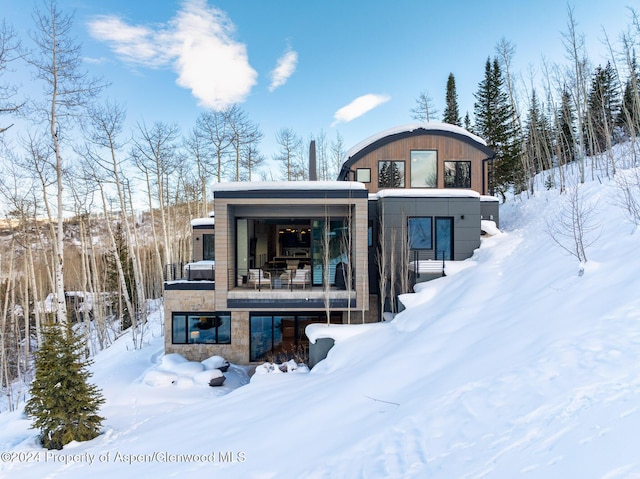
449	149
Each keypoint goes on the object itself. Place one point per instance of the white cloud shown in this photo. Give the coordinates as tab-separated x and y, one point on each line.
359	107
197	43
284	69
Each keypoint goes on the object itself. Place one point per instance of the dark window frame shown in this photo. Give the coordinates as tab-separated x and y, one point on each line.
184	317
435	184
358	170
296	317
411	243
456	180
208	239
404	173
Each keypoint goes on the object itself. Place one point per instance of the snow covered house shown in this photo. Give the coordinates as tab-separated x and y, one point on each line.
278	248
282	255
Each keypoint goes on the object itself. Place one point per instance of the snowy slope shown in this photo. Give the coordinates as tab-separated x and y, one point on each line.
514	366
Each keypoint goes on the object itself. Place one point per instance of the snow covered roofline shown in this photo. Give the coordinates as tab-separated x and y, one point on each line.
203	222
293	190
426	193
415	128
287	185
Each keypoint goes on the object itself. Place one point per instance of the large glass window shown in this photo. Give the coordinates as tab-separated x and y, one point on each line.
330	247
208	248
420	235
444	238
390	174
282	337
457	174
201	328
424	169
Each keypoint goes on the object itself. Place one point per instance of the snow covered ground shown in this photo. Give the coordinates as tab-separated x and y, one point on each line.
514	366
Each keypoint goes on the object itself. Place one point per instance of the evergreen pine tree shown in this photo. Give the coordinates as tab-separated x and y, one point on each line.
494	123
63	404
629	117
565	131
467	122
451	113
603	106
112	279
538	136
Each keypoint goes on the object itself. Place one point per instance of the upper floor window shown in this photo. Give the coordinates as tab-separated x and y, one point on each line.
457	174
363	175
208	247
424	169
390	174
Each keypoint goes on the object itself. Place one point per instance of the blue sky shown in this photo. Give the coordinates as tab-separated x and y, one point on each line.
355	67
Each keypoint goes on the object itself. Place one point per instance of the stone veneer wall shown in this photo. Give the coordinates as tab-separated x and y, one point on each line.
194	301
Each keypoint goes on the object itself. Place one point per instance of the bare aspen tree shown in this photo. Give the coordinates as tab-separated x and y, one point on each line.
631	107
506	51
199	149
575	49
133	310
393	269
9	45
628	194
154	153
300	167
244	133
424	109
15	191
251	159
382	259
326	265
38	161
336	152
405	257
574	228
103	132
98	300
214	129
346	252
57	62
289	144
6	319
323	165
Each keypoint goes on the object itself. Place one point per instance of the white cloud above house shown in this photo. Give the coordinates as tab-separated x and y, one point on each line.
359	107
285	67
198	44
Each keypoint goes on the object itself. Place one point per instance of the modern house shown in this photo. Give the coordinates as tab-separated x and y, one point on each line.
279	256
277	248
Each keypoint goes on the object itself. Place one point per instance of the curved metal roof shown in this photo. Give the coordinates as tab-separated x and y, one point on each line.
412	129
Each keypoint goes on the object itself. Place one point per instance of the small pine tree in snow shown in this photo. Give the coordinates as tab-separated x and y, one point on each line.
63	404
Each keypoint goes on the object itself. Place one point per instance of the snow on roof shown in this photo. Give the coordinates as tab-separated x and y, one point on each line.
287	185
203	222
489	198
432	125
426	193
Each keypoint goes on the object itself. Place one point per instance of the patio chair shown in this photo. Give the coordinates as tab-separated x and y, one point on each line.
258	277
302	277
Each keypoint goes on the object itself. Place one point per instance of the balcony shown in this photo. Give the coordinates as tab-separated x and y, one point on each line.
259	288
196	275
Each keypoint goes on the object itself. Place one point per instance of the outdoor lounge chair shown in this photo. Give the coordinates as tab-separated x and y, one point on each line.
257	278
301	277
